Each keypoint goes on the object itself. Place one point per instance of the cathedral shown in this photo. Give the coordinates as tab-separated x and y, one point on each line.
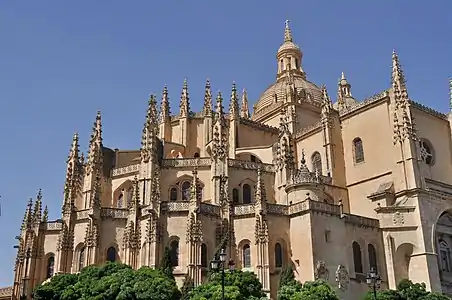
333	188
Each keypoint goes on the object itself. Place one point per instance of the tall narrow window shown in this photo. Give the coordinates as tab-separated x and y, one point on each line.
111	254
235	196
246	256
357	260
81	259
358	150
129	196
372	257
204	263
186	190
444	253
246	194
316	160
174	248
278	255
120	203
50	266
173	194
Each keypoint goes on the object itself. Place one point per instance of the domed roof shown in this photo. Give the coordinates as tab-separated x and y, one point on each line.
279	88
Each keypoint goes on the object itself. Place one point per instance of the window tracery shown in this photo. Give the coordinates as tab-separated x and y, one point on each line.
246	256
358	150
426	152
316	161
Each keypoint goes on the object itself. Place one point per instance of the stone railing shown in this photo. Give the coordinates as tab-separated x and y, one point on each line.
6	292
277	209
127	170
115	213
176	206
186	162
83	214
53	225
361	221
210	209
244	210
317	206
249	165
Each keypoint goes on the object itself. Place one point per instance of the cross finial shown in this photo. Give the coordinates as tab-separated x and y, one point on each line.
287	32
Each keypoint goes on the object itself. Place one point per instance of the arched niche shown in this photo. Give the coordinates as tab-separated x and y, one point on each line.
122	193
402	260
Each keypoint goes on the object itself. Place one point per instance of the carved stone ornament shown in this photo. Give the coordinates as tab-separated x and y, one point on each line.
321	271
342	277
398	219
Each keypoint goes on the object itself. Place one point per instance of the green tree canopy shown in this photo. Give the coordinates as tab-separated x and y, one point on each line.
166	265
310	290
239	285
111	281
187	287
287	276
407	290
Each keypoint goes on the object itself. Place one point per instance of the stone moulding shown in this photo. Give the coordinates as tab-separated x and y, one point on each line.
249	165
186	162
127	170
115	213
55	225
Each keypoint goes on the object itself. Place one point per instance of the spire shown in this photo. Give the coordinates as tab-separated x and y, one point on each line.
135	201
150	130
165	111
244	110
207	109
398	82
95	145
26	222
184	101
260	187
45	215
194	195
73	175
219	113
450	93
344	90
234	103
287	32
327	105
37	212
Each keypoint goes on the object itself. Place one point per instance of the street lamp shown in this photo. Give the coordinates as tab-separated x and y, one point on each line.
217	264
373	281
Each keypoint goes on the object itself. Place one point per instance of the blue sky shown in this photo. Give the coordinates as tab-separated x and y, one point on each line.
61	61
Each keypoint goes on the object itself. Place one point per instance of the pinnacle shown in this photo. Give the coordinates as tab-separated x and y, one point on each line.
287	32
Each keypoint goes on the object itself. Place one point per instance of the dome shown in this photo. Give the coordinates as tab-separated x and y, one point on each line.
279	89
348	103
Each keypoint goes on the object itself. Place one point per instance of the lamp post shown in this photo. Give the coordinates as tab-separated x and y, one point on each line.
217	264
373	281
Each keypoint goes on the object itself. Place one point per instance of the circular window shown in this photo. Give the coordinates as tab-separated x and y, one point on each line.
426	151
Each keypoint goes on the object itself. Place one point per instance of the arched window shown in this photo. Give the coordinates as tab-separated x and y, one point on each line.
316	161
196	155
246	194
372	257
278	255
186	190
204	263
120	203
174	248
111	254
426	152
444	253
235	196
357	260
358	150
81	259
129	196
246	256
50	266
173	194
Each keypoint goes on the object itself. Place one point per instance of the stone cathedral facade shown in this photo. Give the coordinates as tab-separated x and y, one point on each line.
334	188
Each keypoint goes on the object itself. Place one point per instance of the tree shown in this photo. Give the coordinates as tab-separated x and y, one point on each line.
287	276
238	286
166	265
111	281
312	290
407	290
187	287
